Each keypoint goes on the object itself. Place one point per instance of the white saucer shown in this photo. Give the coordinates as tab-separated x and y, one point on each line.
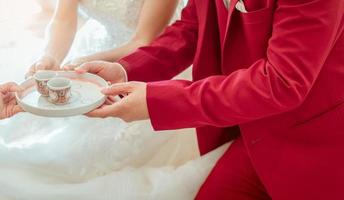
86	96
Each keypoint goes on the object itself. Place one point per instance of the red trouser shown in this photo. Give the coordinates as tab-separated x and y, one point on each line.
233	178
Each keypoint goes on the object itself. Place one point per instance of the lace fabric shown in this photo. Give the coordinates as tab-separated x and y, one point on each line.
125	12
110	23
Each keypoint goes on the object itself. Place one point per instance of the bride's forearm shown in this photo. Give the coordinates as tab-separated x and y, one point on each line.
115	54
155	16
59	38
61	30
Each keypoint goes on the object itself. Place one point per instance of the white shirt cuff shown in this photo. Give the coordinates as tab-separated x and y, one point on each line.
125	73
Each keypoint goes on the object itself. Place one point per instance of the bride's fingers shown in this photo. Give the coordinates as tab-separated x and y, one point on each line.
43	65
33	69
29	74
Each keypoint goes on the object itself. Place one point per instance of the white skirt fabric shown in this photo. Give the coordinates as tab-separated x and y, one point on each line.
83	158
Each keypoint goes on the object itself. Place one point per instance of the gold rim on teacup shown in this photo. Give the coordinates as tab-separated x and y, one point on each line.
59	90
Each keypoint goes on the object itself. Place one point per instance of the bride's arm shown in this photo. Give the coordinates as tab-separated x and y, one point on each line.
62	29
59	36
155	16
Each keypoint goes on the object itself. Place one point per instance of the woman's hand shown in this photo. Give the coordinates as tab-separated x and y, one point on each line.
132	107
8	103
111	72
44	63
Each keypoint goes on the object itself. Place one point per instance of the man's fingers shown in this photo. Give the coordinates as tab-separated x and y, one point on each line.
108	102
91	67
112	98
104	111
118	89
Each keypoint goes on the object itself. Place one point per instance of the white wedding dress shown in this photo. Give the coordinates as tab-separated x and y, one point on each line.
83	158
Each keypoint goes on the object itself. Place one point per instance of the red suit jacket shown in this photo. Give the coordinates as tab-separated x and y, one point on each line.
277	72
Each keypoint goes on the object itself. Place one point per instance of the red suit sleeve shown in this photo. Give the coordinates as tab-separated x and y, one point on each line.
304	33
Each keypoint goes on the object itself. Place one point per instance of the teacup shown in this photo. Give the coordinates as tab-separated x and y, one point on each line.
59	90
42	78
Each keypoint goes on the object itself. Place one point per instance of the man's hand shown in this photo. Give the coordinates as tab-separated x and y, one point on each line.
8	103
132	107
111	72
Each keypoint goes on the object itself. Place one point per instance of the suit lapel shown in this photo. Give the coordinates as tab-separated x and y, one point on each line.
231	9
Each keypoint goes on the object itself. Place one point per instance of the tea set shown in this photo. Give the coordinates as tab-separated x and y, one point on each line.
56	89
61	93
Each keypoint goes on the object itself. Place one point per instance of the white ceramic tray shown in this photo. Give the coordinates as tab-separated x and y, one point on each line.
86	96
